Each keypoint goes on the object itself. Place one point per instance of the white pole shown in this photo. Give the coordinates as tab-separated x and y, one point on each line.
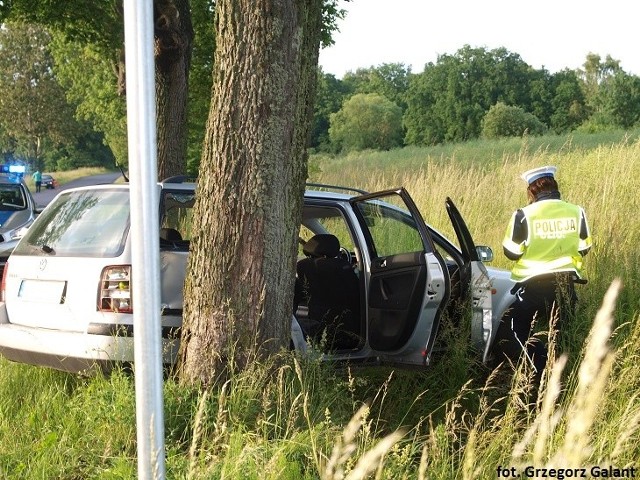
145	243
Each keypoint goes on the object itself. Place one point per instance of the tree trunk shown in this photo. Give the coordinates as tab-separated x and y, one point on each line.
239	287
173	34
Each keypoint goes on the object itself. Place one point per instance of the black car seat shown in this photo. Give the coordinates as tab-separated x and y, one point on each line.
329	286
170	235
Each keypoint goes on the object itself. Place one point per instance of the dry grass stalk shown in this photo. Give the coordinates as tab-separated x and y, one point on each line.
593	377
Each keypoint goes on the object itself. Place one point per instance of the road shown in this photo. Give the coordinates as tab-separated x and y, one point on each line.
45	196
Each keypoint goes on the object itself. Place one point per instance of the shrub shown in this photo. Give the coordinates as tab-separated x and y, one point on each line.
508	121
367	121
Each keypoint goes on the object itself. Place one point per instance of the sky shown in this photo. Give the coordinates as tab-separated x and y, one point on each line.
554	34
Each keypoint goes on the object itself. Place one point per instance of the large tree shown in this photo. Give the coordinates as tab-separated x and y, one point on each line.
238	292
33	108
101	25
391	80
449	99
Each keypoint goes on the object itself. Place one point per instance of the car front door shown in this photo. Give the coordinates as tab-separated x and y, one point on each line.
407	282
476	281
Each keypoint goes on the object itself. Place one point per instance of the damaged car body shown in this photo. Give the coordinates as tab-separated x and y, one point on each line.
67	290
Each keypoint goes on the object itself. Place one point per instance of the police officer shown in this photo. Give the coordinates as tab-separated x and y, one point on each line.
548	240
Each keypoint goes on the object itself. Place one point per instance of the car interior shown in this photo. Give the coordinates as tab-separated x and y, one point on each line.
176	220
11	197
328	290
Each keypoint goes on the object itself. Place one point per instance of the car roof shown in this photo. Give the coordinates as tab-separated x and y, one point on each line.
313	191
10	178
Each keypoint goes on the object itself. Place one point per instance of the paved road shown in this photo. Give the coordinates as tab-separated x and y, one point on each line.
45	196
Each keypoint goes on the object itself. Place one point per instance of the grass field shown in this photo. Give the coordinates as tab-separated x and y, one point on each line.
293	419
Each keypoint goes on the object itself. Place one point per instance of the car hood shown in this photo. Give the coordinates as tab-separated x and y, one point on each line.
11	219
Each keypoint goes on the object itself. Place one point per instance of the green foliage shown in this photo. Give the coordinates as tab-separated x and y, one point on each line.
81	20
391	80
449	99
88	78
88	151
594	73
200	79
388	80
367	121
33	108
619	100
331	13
507	121
568	105
330	94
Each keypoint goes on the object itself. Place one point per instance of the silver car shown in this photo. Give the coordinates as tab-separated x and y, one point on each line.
67	290
18	210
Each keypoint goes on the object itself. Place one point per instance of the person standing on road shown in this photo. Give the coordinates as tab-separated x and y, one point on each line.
37	178
548	240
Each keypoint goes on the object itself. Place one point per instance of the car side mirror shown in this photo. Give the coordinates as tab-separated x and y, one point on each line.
485	253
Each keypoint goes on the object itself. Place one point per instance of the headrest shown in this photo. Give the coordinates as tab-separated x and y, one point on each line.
322	245
170	234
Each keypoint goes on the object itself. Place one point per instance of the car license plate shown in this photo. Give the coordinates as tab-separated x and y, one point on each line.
44	291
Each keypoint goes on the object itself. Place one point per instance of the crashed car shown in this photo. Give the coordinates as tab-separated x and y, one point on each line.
18	210
67	300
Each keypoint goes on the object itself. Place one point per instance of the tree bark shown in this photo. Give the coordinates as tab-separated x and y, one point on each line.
173	34
239	287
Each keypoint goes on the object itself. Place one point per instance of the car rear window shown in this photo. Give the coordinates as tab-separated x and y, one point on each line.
83	223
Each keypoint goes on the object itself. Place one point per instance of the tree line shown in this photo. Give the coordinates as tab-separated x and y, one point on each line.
62	105
473	93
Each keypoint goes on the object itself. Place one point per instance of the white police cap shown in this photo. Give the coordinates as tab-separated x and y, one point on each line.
532	175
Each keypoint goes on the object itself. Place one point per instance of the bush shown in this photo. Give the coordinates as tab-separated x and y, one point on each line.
508	121
367	121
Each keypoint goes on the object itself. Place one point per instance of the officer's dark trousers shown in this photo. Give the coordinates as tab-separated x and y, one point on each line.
537	299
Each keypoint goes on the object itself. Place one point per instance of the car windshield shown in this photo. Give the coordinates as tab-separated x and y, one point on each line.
12	198
80	223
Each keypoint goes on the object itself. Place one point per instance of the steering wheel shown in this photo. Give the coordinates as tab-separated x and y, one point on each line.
346	254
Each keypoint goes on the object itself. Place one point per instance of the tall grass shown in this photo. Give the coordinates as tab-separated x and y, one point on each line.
292	418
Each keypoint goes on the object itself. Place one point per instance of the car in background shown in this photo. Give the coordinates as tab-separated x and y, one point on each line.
49	182
67	299
18	210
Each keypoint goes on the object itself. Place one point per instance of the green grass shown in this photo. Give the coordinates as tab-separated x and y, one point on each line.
293	419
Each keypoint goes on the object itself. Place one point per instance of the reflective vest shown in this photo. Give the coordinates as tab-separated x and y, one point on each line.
553	242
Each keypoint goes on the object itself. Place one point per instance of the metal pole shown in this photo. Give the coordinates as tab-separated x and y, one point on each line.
145	245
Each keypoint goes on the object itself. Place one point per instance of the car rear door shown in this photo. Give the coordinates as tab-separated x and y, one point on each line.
475	279
407	282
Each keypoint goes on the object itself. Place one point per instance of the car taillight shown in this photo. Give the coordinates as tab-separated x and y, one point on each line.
115	290
4	279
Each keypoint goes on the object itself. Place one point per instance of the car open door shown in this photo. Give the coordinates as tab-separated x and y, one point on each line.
475	280
406	279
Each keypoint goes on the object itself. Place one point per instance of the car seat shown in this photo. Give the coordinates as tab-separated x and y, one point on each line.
329	286
170	235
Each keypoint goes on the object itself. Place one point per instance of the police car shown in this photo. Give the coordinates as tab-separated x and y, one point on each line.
17	212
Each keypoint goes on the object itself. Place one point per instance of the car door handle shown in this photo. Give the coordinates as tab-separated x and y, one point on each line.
383	292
